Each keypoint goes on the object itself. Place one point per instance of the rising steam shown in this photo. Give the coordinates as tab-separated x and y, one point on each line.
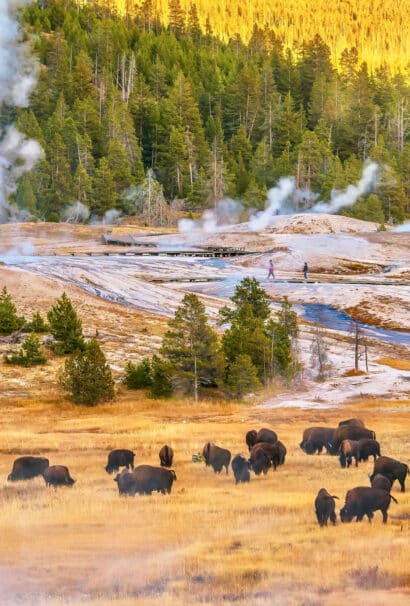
18	76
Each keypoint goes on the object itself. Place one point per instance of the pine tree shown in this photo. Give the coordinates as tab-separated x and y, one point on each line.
65	326
30	354
161	378
25	198
191	346
37	324
248	292
138	376
242	376
87	376
9	320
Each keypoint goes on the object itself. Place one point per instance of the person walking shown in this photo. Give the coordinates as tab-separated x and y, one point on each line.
271	273
305	270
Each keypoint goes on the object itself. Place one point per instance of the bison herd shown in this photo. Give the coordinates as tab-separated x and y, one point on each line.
351	440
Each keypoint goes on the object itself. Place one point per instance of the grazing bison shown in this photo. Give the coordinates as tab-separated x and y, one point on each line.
260	459
240	468
278	454
263	435
216	457
382	482
127	483
348	451
391	469
316	438
121	457
325	507
348	432
25	468
368	448
352	422
166	456
151	479
57	475
362	500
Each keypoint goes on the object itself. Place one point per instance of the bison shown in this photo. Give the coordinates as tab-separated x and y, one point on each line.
127	483
260	460
314	439
325	507
348	451
368	448
166	456
362	500
279	454
352	422
57	475
348	432
25	468
391	469
263	435
216	457
382	482
121	457
240	468
151	479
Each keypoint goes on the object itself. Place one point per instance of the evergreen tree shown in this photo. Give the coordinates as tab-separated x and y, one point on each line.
30	354
37	324
161	378
9	320
191	346
138	376
242	376
65	326
25	198
248	292
104	196
87	377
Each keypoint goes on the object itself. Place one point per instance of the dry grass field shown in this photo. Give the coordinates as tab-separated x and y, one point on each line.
210	541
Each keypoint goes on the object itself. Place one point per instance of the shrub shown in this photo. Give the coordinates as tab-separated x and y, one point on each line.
161	373
30	354
37	324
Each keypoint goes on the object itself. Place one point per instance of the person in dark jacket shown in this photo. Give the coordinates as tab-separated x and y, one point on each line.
305	270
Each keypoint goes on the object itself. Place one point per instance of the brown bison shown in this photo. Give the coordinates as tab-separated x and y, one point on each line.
325	507
127	483
382	482
352	422
263	435
362	500
314	439
166	456
240	468
391	469
260	459
216	457
278	454
57	475
348	451
151	479
25	468
121	457
368	448
348	432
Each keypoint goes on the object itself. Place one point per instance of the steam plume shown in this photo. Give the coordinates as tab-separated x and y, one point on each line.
18	76
277	196
351	193
77	212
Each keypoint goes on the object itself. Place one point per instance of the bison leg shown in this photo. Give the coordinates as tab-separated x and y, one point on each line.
402	485
370	516
227	469
384	513
332	516
319	449
357	464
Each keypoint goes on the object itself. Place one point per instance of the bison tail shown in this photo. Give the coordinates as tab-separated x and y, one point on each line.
174	475
392	497
334	496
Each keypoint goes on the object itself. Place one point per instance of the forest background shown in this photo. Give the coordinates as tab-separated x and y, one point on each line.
152	102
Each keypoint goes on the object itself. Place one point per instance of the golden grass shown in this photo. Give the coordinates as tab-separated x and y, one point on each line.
210	541
394	363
